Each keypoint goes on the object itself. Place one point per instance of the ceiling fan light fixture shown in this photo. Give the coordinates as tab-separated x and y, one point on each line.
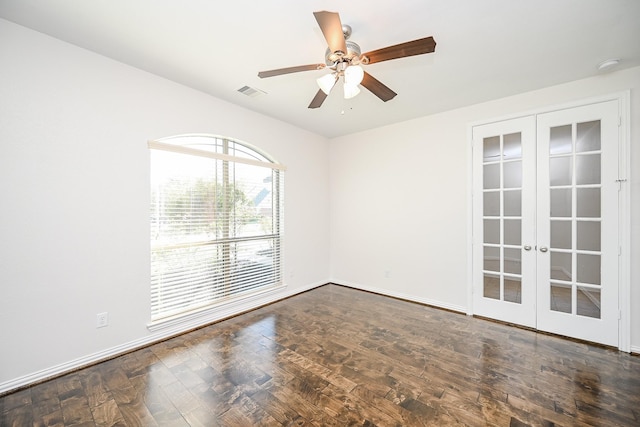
326	83
350	91
353	75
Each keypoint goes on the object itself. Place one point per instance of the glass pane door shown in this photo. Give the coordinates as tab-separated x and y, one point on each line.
545	222
577	223
505	154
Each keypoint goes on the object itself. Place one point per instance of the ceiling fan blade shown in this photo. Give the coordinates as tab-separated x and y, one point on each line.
377	88
402	50
318	99
331	27
280	71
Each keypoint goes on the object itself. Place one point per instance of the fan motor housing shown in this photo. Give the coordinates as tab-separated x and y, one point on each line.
353	51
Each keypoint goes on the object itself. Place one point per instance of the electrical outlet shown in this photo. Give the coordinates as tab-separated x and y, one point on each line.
102	320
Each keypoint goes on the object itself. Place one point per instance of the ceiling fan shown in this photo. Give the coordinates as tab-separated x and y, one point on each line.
345	59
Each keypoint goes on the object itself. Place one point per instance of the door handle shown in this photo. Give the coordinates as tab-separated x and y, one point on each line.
543	249
527	247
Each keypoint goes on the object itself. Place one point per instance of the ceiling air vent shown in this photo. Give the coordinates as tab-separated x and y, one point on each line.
251	92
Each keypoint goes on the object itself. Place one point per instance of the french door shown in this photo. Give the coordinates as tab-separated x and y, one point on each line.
504	221
545	211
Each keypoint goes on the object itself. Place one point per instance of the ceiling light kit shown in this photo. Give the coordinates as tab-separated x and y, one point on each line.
344	58
346	65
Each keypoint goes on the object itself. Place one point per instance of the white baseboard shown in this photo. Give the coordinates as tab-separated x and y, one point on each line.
635	349
195	322
400	295
157	334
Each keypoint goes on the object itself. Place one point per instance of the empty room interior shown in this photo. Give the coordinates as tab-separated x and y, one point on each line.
319	213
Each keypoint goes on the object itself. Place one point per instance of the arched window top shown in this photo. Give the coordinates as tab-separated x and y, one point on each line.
219	145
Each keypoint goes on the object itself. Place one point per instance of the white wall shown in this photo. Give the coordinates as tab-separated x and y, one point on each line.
74	194
399	198
74	198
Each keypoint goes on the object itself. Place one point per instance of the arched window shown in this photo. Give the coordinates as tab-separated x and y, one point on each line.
216	221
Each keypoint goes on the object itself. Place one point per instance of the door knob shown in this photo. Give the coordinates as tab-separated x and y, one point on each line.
543	249
527	247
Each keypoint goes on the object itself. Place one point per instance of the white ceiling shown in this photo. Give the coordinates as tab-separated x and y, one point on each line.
486	49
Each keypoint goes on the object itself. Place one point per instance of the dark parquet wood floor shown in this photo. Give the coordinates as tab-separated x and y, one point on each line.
336	356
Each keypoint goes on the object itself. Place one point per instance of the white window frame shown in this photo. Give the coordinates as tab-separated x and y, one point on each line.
234	292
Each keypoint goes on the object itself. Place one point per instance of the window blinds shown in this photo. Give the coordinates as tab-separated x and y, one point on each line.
215	226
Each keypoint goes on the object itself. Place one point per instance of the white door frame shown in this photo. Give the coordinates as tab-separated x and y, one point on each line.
624	230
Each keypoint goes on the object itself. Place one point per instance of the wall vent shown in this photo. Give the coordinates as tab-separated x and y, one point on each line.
251	92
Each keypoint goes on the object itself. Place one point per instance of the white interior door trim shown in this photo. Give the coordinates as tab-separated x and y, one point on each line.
624	221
